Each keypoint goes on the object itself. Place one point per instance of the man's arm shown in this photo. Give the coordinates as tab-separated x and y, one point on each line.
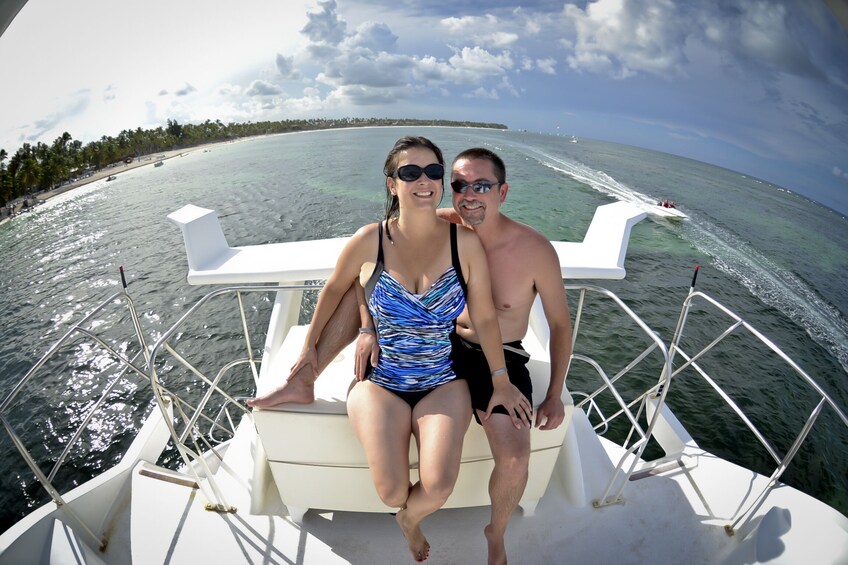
548	281
449	214
367	348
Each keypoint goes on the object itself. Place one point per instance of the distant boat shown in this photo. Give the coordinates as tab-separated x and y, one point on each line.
666	209
111	177
573	139
159	163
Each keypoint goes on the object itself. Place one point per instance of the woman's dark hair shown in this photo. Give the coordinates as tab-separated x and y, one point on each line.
390	169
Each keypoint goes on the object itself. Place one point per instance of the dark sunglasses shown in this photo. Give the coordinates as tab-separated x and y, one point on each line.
409	173
480	187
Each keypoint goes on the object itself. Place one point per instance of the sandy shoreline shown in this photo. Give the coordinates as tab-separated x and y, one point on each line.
117	169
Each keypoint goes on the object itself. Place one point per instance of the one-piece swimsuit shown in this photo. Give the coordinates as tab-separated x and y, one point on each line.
414	330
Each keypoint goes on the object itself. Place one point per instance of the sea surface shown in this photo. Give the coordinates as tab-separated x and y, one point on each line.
775	257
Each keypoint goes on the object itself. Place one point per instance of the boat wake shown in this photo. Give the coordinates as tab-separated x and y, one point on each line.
775	286
602	182
770	283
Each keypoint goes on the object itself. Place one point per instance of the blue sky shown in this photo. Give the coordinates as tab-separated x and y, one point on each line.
760	87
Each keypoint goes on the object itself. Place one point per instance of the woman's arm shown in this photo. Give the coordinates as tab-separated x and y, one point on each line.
484	318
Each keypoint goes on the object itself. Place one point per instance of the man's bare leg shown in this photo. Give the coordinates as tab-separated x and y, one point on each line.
341	329
511	452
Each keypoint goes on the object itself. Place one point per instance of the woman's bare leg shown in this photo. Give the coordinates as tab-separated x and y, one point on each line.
439	423
383	424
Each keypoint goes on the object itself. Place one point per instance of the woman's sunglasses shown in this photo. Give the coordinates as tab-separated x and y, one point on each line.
409	173
480	187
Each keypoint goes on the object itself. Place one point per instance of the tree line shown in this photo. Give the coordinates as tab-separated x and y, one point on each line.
33	168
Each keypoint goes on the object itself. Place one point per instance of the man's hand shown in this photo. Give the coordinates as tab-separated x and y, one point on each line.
366	349
551	413
517	406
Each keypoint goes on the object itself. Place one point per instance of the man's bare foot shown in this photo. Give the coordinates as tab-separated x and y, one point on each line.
295	391
418	545
497	549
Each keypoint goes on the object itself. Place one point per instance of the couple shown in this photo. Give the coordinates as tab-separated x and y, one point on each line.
411	280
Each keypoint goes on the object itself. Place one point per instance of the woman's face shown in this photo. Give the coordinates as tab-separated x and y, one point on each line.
422	191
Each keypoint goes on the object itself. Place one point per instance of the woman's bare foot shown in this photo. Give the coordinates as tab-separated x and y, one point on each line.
497	549
296	391
418	545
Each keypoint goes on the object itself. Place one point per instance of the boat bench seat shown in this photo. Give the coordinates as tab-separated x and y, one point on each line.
317	461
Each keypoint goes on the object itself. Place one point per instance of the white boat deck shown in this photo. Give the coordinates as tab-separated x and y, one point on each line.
676	516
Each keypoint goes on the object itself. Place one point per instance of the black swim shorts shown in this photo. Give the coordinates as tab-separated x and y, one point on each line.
470	364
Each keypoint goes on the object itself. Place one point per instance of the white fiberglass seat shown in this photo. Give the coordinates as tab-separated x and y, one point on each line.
317	461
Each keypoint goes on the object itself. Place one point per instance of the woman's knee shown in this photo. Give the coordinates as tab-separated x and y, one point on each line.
393	494
439	487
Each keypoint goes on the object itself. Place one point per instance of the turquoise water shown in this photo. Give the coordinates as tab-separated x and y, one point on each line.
773	256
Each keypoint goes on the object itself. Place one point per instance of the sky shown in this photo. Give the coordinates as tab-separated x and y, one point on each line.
756	86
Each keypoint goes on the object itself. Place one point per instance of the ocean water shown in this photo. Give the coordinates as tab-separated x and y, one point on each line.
774	257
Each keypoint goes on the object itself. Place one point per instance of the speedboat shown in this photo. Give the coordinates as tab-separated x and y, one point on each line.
207	479
159	163
668	212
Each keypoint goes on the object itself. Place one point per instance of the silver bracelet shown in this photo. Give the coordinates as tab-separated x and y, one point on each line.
367	331
501	371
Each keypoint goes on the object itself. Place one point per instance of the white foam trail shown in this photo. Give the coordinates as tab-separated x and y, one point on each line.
775	286
766	280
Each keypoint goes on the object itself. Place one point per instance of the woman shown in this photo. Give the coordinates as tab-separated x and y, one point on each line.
418	272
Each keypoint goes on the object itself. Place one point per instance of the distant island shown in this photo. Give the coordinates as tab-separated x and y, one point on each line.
39	168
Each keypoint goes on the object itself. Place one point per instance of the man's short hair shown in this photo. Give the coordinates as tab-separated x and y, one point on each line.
486	155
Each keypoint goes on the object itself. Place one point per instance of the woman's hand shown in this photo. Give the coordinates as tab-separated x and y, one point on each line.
516	404
308	358
366	349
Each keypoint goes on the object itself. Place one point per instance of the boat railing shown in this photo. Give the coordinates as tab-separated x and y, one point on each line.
821	398
206	400
90	329
612	391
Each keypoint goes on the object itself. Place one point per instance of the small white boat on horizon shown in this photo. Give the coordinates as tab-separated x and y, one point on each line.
206	479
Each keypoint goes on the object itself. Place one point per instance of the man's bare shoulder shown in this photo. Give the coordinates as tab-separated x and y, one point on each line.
527	236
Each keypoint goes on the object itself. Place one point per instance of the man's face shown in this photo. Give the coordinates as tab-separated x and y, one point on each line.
472	206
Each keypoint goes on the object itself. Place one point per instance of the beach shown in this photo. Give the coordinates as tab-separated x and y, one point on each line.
115	169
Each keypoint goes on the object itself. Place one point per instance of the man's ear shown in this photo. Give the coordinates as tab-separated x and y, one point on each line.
504	188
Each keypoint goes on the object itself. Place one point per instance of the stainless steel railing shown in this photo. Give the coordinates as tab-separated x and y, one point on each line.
691	361
137	363
641	425
204	408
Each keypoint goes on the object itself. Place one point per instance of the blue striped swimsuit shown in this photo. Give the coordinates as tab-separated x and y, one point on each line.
414	330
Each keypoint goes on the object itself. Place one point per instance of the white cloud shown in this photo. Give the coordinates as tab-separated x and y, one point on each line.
619	38
373	36
547	65
263	88
471	64
483	93
480	30
186	90
325	26
285	66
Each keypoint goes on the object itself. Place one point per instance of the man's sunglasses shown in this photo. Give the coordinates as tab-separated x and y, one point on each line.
409	173
480	187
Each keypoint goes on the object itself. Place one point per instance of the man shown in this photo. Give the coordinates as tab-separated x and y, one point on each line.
522	263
